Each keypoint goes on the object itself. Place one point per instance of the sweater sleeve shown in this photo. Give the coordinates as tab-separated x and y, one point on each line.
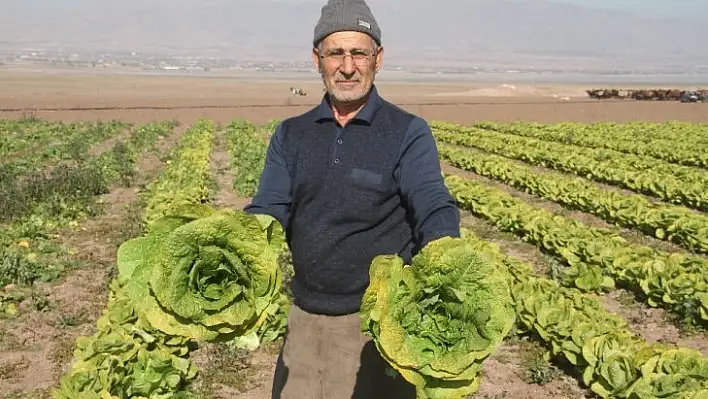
273	196
429	203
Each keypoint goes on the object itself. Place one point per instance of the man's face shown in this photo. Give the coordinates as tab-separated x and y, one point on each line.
348	63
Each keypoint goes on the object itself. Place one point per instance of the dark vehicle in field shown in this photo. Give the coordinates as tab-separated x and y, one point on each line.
685	96
691	97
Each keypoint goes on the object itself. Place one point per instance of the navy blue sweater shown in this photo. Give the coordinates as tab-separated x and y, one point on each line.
347	194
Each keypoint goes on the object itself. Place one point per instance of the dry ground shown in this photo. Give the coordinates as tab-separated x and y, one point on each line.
65	96
72	96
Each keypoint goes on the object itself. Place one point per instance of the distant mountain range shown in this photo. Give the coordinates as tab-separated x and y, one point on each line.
440	32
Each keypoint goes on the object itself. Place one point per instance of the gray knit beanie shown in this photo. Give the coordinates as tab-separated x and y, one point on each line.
346	15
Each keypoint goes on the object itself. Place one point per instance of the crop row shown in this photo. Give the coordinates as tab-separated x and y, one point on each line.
610	360
37	204
676	224
127	357
143	342
22	135
187	178
684	149
672	183
68	142
48	191
247	150
598	258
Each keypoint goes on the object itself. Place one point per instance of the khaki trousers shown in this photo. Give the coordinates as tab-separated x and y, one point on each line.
327	357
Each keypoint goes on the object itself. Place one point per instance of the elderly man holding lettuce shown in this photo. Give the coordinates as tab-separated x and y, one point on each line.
352	178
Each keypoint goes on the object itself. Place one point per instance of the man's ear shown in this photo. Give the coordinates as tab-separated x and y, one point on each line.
316	58
379	59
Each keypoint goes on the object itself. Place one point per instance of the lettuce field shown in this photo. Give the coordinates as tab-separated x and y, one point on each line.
599	230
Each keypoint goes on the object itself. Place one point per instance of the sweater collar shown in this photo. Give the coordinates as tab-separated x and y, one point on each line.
366	114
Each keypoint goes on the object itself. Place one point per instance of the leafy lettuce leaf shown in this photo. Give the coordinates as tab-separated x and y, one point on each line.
435	321
205	275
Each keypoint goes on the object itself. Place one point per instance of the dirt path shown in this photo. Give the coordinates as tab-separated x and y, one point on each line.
652	324
37	346
508	243
226	196
226	373
517	371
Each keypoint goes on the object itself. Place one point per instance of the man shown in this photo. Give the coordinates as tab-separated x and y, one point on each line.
350	179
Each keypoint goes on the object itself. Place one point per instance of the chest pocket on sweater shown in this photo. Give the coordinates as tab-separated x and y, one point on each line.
364	195
366	178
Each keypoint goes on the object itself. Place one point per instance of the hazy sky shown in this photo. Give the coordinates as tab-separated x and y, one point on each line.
688	9
684	9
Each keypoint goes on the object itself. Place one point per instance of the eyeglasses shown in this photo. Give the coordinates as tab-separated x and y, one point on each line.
359	56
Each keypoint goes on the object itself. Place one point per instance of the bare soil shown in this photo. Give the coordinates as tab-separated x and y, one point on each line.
70	96
506	374
226	196
652	324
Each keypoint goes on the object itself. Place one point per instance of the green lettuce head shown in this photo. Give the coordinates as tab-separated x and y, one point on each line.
436	320
205	274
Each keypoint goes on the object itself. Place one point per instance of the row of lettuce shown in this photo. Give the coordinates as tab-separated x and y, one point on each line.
197	275
18	136
247	150
30	145
672	183
127	357
38	198
605	354
675	142
598	259
680	225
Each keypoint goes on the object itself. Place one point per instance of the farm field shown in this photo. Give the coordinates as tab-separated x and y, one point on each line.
599	223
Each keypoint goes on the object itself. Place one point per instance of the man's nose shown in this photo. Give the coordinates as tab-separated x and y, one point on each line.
348	67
